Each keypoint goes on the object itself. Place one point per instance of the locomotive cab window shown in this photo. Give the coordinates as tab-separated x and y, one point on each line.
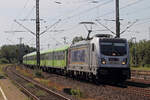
113	48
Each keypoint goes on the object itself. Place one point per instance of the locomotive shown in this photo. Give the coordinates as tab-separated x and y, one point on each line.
100	57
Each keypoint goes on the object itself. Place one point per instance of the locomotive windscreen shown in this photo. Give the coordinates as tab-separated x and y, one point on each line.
113	48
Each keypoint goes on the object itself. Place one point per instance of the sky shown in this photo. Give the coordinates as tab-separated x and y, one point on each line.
64	17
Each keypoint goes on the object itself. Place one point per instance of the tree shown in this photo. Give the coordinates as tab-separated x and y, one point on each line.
77	39
142	54
14	53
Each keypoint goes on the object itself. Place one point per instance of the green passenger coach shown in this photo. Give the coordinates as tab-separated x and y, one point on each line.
56	58
30	59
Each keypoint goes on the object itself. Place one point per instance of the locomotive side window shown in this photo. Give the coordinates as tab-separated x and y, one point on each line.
93	47
78	55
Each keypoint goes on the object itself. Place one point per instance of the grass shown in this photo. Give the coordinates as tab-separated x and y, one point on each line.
29	85
1	68
0	94
23	72
50	84
43	81
2	74
41	93
141	68
28	98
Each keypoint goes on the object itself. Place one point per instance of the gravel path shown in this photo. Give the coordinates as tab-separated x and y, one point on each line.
11	91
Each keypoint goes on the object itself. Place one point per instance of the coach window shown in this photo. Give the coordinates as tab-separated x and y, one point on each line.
59	56
45	56
54	56
62	55
49	56
93	46
30	58
41	57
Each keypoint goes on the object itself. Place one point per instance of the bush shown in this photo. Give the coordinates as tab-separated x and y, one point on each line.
140	52
74	92
147	65
4	61
38	74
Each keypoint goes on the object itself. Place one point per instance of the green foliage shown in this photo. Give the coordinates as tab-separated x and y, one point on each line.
14	53
3	61
140	53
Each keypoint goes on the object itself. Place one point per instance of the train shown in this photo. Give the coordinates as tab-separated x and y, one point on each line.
100	57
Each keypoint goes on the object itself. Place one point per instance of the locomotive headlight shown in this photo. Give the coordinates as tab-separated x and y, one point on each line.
103	61
124	61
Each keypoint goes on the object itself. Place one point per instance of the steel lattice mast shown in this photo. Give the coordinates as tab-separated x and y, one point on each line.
117	20
37	34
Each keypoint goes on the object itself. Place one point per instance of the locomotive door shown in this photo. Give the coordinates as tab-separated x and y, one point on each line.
92	57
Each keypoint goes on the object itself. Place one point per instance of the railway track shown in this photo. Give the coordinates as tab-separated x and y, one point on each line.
136	74
141	72
140	86
133	88
43	94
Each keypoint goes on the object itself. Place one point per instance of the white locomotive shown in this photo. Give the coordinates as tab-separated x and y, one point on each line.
101	57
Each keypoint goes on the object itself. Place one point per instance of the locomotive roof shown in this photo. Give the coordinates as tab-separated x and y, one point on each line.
84	42
47	51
